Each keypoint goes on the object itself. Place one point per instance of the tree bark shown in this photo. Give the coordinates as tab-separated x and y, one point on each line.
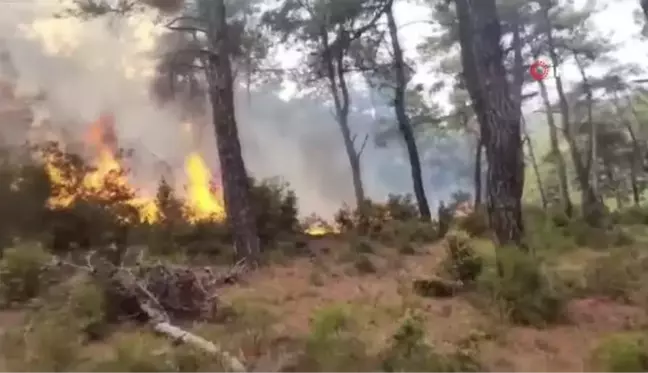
486	78
236	183
404	123
477	177
556	155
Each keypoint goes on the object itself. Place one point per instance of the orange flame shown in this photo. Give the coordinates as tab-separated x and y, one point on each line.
108	174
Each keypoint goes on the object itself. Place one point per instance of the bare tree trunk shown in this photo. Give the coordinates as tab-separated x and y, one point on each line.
536	169
486	78
589	197
236	184
636	157
556	155
593	207
404	124
644	7
478	172
339	91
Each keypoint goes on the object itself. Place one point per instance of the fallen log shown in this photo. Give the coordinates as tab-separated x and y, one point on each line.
127	285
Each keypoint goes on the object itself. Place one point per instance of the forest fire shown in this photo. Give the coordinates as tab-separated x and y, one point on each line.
108	177
203	199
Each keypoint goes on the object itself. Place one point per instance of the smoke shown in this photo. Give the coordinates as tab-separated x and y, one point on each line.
82	69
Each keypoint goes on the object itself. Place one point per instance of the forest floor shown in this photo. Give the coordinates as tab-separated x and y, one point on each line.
339	310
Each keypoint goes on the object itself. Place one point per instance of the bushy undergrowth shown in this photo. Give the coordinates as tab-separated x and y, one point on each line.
462	262
618	275
623	352
395	223
523	289
23	272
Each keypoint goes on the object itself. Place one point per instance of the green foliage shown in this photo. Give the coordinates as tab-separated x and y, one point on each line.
409	352
631	215
618	275
523	290
331	345
624	352
462	262
275	208
23	271
394	223
475	223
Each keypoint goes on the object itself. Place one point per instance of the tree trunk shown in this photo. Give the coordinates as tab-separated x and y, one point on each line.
404	124
644	7
534	163
339	91
478	172
236	184
556	155
486	78
636	157
589	197
593	206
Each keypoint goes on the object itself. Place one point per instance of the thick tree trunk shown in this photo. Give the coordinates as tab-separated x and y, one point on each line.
477	177
340	93
236	184
534	163
404	124
556	155
486	78
644	7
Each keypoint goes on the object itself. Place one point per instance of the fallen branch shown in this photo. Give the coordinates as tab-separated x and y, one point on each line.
177	334
148	288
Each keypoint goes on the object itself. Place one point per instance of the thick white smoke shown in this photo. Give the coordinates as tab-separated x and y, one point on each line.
85	68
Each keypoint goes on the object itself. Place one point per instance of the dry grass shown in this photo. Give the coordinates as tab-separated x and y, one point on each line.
271	313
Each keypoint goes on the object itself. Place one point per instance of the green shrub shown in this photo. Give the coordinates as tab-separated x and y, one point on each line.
523	290
626	352
275	208
332	344
409	352
475	223
23	271
631	215
462	261
49	344
617	275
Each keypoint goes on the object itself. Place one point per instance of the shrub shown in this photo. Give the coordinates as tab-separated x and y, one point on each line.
331	345
475	223
631	215
409	352
462	261
275	208
49	344
23	271
627	352
522	289
617	275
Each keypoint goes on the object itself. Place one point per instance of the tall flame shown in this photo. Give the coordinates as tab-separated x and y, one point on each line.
202	200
